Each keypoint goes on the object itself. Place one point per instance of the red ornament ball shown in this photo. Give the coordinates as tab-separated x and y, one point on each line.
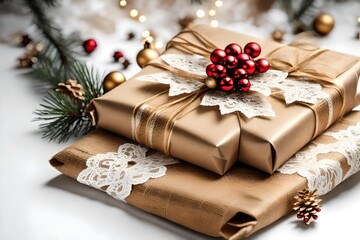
262	65
253	49
117	55
230	62
239	74
242	57
217	56
89	45
209	70
226	84
244	84
233	49
315	217
218	71
249	66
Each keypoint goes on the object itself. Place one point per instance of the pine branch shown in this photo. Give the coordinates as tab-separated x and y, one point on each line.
63	117
305	6
56	44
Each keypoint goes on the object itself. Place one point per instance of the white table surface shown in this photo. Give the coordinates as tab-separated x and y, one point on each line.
38	203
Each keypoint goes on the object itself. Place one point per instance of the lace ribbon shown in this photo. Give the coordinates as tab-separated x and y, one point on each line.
324	174
116	172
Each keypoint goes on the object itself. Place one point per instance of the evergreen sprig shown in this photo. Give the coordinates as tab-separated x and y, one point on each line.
61	116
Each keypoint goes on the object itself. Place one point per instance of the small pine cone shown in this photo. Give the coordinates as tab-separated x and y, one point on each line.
307	205
72	89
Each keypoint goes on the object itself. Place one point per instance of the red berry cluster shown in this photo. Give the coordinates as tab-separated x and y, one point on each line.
232	68
302	214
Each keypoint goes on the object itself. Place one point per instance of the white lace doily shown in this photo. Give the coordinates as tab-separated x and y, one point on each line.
116	172
177	85
292	90
325	174
250	104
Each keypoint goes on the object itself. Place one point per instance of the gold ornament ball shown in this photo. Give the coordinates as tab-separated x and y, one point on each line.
277	35
145	56
211	83
323	24
112	80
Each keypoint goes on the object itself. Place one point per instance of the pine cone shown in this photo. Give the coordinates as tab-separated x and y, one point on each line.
307	205
72	89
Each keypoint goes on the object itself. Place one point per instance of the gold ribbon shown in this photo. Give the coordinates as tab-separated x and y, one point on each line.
142	132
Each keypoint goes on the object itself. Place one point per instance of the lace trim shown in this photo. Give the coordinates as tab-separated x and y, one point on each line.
325	174
116	172
178	85
250	104
190	63
264	83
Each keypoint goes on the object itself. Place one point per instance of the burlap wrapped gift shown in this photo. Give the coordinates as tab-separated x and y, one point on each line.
234	205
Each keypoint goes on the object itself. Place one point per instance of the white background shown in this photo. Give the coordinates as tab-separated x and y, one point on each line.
36	202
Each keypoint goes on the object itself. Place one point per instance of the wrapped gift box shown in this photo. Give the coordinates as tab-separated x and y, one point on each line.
204	137
232	206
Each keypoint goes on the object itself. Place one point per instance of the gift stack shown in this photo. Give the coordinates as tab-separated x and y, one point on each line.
224	133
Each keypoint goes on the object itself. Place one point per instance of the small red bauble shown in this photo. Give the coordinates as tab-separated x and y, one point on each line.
239	73
226	84
244	84
89	45
262	65
217	56
242	57
233	49
315	217
299	215
230	62
117	55
249	66
218	71
253	49
209	70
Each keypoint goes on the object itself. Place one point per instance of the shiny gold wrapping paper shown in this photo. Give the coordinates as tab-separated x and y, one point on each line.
232	206
215	142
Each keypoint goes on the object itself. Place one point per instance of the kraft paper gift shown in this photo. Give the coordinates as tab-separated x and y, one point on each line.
204	137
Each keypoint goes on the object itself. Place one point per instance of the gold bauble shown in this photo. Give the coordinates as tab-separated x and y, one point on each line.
146	55
112	80
323	24
211	83
277	35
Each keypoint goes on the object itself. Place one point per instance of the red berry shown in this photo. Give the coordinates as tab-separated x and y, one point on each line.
209	70
233	49
226	84
249	66
89	45
253	49
262	65
318	210
244	84
306	219
230	62
217	55
117	55
315	217
242	57
299	215
239	73
219	71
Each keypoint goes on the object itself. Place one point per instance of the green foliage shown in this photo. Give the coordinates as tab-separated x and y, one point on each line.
62	117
